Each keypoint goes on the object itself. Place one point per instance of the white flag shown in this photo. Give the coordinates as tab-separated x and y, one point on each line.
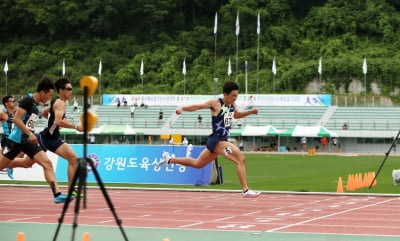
258	24
100	67
63	68
216	23
237	25
364	67
274	67
320	66
229	67
184	67
141	68
6	67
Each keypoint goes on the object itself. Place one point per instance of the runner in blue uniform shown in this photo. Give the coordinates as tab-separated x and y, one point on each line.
49	139
223	111
6	119
22	137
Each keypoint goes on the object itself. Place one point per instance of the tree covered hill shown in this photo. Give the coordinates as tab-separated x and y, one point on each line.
36	36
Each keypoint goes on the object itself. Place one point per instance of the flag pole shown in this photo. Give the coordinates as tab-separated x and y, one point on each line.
184	76
5	71
99	72
237	45
245	65
215	41
6	84
320	74
364	67
215	52
141	70
258	50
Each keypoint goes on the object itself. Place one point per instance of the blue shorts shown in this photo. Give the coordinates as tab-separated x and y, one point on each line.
49	144
12	149
213	140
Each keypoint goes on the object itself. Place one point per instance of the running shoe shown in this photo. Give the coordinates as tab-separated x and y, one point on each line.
62	198
10	173
164	160
250	194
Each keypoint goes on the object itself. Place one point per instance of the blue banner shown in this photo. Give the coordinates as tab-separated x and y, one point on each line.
137	164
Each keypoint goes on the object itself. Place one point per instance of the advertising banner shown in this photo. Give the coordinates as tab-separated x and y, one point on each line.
137	164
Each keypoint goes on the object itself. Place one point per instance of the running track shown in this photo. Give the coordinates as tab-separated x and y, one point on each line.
222	215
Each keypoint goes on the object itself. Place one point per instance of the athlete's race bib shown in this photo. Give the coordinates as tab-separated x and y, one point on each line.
31	122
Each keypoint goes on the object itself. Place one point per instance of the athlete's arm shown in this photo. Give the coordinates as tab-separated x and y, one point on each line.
59	110
3	117
45	112
206	105
242	114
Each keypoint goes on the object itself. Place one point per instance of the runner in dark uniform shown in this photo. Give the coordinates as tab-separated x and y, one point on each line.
6	118
23	139
223	111
49	138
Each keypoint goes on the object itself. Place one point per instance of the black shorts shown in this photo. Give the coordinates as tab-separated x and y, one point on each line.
213	140
49	144
3	141
12	149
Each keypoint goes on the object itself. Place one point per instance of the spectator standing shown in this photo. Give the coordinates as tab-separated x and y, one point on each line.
160	116
324	143
303	143
132	111
200	120
335	145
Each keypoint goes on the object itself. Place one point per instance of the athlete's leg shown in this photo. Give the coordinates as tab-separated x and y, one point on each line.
204	158
65	151
232	153
42	159
24	162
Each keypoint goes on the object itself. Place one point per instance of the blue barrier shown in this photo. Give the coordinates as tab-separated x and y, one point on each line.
136	164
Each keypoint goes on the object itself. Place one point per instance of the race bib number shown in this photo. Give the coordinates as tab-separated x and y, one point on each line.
228	117
31	122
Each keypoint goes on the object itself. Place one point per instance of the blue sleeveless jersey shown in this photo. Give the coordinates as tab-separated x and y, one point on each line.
29	119
222	122
7	125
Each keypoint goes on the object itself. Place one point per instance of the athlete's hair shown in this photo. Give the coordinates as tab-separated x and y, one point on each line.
61	83
45	85
6	98
229	86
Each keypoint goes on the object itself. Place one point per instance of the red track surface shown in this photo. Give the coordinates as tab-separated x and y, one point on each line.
336	214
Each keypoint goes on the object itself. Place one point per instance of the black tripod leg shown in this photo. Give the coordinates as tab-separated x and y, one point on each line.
66	204
108	200
82	170
386	156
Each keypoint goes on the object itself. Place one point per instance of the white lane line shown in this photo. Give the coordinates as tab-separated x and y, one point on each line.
189	225
329	215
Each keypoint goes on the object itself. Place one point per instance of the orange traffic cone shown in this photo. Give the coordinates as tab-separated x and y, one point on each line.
20	236
339	187
86	236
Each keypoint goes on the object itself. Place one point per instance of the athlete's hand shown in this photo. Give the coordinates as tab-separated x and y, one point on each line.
79	128
178	111
33	139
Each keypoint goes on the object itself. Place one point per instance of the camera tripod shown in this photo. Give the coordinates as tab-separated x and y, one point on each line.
394	141
80	178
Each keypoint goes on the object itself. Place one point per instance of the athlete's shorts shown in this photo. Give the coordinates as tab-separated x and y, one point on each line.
49	144
3	141
213	140
12	149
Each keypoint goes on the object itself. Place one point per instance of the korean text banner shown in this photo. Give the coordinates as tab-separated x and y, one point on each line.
137	164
